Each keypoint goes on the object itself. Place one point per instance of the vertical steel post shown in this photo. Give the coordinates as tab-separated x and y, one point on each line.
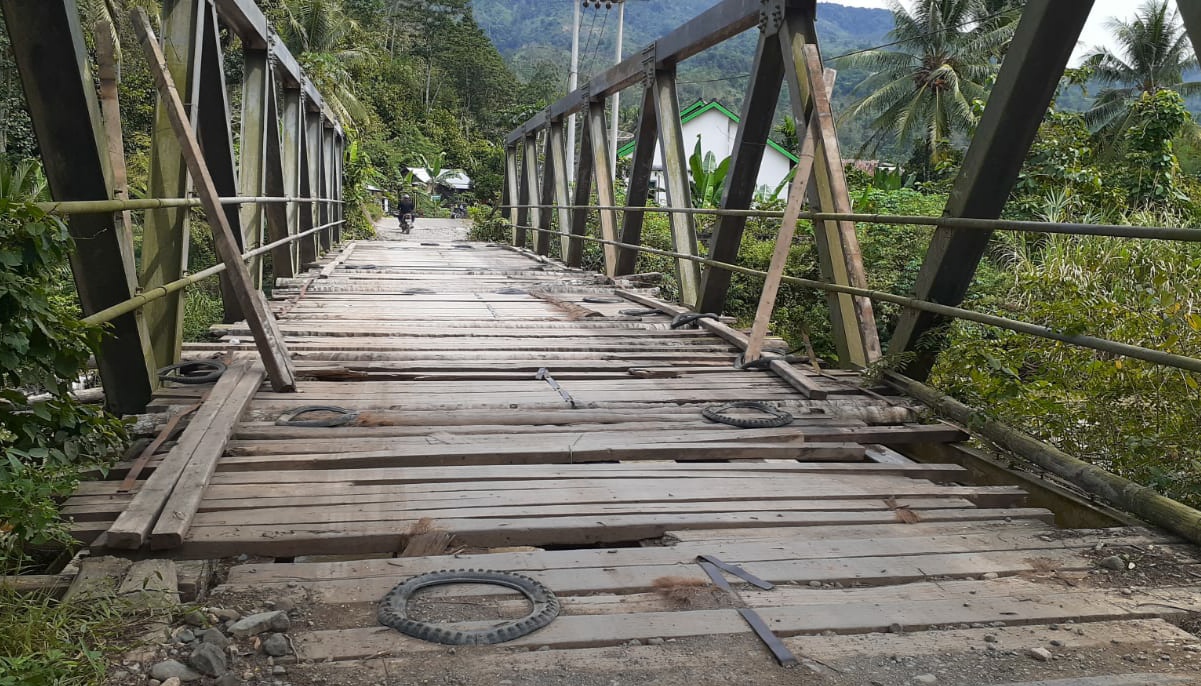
581	200
598	137
675	176
512	190
531	184
641	171
557	162
525	188
294	170
275	185
310	248
166	233
546	195
256	90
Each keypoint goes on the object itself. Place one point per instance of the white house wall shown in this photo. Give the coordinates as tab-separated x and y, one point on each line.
718	134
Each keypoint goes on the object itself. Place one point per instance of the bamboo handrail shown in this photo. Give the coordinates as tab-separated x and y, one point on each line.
127	306
1166	233
1091	342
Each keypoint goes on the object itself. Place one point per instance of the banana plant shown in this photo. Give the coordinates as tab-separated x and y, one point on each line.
708	177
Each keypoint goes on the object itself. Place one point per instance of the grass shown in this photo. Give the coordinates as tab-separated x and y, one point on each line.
47	642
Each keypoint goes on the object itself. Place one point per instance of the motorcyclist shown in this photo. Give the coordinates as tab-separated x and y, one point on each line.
405	211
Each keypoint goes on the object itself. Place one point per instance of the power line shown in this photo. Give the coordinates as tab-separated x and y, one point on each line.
600	36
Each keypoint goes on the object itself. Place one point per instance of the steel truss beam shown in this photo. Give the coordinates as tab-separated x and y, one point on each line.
52	59
1036	60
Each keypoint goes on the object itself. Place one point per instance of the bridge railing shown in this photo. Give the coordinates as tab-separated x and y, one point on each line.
277	181
540	199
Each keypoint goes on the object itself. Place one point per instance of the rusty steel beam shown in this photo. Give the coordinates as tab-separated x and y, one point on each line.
546	194
582	198
1037	57
252	167
598	137
275	183
292	149
524	190
638	189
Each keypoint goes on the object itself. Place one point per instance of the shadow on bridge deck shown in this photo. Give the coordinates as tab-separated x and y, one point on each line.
603	489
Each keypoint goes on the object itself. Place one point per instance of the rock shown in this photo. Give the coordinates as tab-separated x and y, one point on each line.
171	668
1040	654
195	618
654	641
228	679
925	679
990	638
815	584
227	615
278	670
154	682
185	636
285	605
276	645
634	642
209	659
1114	562
214	637
896	629
173	681
258	623
1057	643
989	576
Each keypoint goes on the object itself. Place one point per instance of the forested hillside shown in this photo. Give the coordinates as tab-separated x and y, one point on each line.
534	36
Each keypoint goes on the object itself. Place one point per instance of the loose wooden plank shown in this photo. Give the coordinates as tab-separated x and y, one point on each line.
132	527
340	538
181	506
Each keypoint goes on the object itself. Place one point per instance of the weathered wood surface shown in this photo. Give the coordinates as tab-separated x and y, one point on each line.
460	443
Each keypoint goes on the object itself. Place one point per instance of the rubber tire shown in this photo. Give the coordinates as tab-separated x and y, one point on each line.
601	300
690	319
216	370
290	418
716	413
638	313
393	609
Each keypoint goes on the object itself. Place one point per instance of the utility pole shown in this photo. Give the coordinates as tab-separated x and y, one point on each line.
573	83
621	20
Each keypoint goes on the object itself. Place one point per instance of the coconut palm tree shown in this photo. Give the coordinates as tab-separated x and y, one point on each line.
925	89
1153	54
318	32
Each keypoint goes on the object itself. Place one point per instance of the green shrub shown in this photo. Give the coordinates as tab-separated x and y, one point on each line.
43	349
488	225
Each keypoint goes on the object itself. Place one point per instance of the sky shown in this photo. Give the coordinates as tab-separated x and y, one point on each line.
1094	32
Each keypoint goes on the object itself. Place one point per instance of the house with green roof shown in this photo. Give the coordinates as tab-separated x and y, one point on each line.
717	128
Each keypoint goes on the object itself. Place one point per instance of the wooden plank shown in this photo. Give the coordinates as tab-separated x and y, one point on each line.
184	500
130	530
337	538
585	631
338	261
267	337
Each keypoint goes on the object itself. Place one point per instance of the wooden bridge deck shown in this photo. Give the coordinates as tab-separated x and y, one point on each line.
601	493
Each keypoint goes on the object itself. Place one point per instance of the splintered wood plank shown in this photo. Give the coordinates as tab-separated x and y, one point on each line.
133	526
318	536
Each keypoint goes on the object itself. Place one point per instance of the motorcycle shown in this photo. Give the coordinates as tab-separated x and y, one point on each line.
406	222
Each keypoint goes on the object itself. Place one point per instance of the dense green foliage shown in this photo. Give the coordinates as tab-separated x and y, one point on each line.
43	348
